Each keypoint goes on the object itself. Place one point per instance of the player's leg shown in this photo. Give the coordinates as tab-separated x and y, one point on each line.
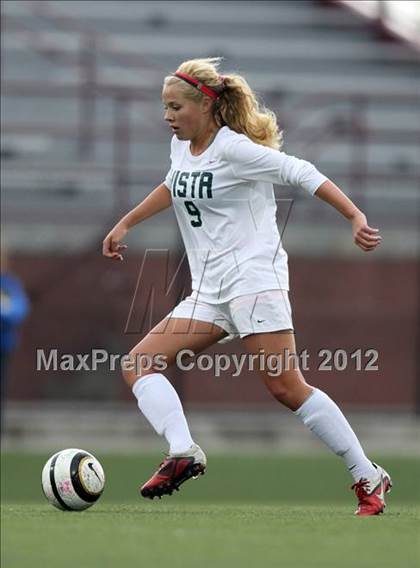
319	413
281	375
158	400
166	340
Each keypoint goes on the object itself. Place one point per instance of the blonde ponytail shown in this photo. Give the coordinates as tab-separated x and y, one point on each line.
237	107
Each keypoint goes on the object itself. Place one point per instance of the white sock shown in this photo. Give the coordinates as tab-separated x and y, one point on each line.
326	420
160	404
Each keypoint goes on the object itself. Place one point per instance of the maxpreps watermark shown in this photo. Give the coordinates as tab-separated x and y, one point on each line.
52	360
185	360
217	363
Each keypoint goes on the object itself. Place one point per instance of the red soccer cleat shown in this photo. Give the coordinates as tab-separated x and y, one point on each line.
173	471
371	493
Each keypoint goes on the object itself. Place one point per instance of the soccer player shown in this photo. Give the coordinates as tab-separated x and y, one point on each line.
224	160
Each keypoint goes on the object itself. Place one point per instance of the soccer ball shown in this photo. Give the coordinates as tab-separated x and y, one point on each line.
73	480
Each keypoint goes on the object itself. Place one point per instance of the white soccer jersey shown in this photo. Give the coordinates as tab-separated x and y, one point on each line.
225	207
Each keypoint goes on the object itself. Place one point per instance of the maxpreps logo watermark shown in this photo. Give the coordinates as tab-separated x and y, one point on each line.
217	363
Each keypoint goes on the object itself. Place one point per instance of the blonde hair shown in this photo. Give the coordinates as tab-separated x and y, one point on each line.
237	107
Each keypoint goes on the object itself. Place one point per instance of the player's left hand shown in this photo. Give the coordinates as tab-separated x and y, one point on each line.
365	237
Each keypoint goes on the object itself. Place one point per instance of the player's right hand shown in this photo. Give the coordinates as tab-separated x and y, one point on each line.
111	245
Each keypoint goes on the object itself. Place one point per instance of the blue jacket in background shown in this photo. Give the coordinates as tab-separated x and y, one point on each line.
14	308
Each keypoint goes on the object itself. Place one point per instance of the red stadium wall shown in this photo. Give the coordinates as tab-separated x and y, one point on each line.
80	303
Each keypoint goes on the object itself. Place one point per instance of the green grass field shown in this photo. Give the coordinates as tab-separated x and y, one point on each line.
287	511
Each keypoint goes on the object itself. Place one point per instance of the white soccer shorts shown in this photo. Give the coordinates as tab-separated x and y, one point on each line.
261	312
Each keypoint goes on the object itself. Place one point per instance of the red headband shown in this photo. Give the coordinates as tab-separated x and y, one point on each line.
198	85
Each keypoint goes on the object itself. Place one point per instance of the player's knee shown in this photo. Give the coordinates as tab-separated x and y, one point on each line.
279	389
135	368
284	385
290	389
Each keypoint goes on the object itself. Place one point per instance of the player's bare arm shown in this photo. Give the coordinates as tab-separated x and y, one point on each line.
365	237
158	200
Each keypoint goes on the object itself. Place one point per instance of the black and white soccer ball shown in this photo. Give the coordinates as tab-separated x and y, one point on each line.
73	480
